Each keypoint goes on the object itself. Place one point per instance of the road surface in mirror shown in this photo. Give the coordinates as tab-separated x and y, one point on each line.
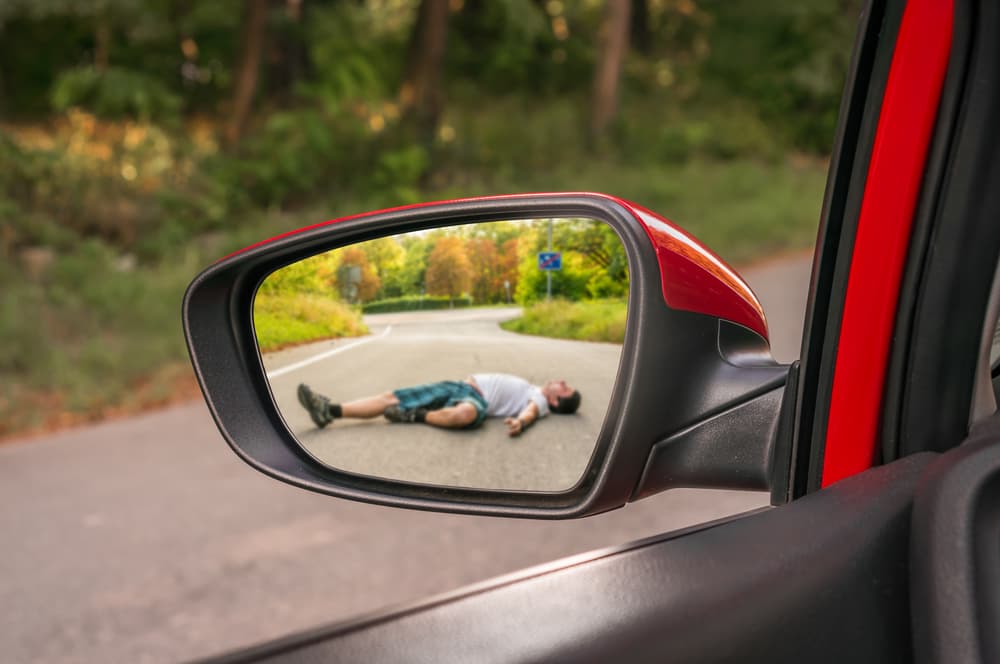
410	348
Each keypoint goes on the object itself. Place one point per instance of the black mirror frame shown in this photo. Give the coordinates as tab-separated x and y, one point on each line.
724	366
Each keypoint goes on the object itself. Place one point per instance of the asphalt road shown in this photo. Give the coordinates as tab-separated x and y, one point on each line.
411	348
147	540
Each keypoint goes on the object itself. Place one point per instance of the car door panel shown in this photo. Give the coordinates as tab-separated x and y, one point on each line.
956	580
714	593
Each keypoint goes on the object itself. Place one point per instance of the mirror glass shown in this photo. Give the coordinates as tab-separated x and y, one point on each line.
479	356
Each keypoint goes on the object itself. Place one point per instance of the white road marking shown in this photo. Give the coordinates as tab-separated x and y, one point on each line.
322	356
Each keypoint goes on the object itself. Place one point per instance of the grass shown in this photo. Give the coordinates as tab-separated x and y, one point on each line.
283	320
596	320
88	337
94	334
743	210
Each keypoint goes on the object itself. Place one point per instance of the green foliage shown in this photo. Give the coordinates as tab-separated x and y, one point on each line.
489	139
287	319
115	93
92	181
713	133
304	154
520	48
292	154
788	59
355	55
88	331
410	276
415	303
398	173
568	283
113	178
595	320
315	275
594	263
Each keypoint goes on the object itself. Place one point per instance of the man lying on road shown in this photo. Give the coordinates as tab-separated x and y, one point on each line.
453	404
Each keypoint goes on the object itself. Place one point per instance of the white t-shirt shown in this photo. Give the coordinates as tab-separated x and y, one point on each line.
507	396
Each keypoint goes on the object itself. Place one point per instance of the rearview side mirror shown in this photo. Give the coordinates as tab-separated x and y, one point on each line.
429	409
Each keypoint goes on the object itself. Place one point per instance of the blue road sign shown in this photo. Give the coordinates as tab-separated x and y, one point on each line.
550	260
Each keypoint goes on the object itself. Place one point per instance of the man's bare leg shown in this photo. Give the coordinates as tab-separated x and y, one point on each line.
368	407
455	417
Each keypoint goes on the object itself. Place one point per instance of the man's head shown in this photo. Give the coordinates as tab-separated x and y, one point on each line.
562	398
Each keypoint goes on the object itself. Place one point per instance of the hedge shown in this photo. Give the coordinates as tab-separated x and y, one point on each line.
415	303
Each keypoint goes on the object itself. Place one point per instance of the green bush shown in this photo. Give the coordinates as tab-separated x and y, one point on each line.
288	319
293	155
87	332
711	133
593	320
788	60
416	303
114	93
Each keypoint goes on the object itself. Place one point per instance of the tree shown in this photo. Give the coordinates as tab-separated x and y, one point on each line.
411	276
421	95
386	256
364	284
641	33
607	75
509	266
316	274
487	282
448	269
252	35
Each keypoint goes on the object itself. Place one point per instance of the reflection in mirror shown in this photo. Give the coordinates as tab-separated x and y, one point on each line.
480	356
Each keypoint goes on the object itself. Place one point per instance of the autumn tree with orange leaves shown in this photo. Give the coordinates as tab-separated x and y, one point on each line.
484	259
449	271
370	283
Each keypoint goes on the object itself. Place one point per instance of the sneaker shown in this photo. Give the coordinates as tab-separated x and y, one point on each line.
397	414
317	405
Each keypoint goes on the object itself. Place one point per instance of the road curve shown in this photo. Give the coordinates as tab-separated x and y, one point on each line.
413	348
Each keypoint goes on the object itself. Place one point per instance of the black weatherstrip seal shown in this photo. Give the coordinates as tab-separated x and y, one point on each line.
859	113
927	217
952	295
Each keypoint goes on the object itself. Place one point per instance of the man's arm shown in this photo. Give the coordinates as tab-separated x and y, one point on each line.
524	419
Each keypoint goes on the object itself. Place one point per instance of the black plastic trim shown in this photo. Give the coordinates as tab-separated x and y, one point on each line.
734	447
713	593
781	455
955	545
933	377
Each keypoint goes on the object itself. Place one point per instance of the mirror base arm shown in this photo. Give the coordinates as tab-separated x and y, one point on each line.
733	449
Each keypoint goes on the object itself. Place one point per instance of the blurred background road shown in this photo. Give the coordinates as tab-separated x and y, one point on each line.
147	540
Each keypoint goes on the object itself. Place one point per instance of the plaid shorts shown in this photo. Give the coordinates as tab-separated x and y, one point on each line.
443	394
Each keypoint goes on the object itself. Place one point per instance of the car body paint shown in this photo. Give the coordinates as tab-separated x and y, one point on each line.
895	172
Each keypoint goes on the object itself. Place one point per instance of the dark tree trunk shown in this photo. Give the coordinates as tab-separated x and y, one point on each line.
252	34
607	76
288	54
102	42
295	56
642	38
422	94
